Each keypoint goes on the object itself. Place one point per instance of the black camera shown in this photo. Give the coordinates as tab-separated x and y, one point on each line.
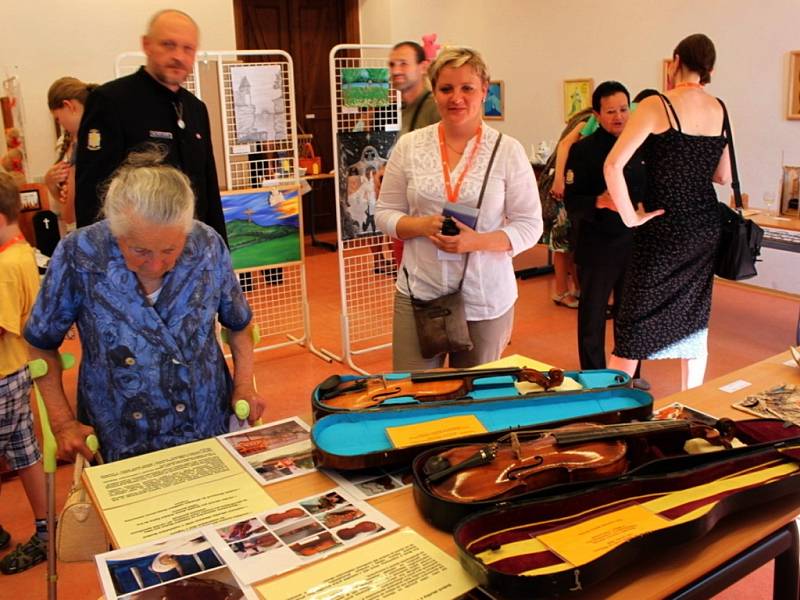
449	226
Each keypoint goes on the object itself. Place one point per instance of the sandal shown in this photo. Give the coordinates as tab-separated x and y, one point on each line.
5	538
25	556
561	300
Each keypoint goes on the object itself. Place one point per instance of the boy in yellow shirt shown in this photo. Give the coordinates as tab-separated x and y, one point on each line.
19	284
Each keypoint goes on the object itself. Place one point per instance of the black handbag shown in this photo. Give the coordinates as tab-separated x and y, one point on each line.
740	238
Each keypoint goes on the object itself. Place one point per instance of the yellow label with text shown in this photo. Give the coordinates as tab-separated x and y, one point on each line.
405	436
584	542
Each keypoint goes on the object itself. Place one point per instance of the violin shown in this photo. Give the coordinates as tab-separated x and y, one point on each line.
334	519
577	452
322	542
292	513
348	533
424	386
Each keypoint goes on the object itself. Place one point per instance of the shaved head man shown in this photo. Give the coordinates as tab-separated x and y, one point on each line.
150	106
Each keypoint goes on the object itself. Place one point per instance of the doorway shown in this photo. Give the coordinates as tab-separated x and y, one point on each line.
307	30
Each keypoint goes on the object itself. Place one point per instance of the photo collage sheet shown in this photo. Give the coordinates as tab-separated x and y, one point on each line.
230	556
233	556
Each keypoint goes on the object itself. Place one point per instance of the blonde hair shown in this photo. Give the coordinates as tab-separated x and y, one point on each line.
68	88
455	57
144	187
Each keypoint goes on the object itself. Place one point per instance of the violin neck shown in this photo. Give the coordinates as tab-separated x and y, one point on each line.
577	436
464	373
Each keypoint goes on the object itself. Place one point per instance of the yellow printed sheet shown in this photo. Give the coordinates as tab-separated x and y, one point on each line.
405	436
158	494
398	566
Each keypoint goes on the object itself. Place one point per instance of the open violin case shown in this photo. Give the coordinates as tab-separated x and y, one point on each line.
564	539
347	393
353	440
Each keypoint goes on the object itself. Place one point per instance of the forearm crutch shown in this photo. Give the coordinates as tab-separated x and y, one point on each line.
38	368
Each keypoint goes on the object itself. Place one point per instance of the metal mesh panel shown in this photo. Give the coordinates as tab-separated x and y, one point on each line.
369	269
276	297
258	162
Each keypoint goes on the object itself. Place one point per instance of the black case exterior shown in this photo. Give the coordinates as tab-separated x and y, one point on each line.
654	476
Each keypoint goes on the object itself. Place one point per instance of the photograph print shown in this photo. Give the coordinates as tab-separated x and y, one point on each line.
259	107
263	226
362	161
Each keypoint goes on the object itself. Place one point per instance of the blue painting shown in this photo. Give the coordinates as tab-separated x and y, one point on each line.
263	226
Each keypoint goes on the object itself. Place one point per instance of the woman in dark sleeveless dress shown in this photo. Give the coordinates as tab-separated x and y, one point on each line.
666	302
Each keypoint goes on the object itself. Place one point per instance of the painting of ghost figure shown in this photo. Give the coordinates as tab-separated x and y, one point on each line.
362	161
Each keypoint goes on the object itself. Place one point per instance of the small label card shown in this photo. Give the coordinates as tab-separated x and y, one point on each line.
735	386
448	428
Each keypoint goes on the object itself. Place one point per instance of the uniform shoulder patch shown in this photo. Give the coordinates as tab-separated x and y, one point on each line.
93	139
570	177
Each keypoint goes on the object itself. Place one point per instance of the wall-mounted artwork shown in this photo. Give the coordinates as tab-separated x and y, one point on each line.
666	84
577	96
790	190
263	226
259	106
793	105
365	87
494	106
362	160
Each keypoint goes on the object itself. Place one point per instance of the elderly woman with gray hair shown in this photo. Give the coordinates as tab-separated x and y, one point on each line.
447	166
144	286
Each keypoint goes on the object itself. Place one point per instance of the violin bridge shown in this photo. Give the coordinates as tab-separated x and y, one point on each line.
515	445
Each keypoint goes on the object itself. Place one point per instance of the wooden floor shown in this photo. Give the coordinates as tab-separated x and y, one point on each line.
747	325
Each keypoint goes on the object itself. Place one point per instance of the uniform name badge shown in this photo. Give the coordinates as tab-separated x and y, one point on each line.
93	139
161	135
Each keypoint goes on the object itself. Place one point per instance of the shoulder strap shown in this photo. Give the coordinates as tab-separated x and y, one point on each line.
726	131
669	108
414	117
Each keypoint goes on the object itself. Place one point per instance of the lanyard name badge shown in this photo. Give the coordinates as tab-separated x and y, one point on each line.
465	214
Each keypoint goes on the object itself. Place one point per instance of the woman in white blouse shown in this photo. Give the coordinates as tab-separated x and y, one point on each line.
447	162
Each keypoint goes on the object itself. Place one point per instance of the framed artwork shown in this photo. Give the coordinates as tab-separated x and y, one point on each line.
666	84
362	160
259	108
365	87
790	190
494	106
577	96
31	198
793	105
263	226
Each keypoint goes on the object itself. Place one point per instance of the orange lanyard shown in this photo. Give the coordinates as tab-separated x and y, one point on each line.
452	194
11	242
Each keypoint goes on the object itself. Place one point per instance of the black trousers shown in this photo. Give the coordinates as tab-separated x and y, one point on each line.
597	282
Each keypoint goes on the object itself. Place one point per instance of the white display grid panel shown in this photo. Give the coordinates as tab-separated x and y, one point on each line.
277	294
367	269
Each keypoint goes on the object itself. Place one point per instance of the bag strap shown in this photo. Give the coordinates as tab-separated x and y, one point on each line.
478	206
726	130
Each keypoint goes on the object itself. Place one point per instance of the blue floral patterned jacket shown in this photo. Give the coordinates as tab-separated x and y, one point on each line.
151	376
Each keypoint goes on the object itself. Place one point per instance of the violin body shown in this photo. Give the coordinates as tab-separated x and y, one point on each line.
292	513
532	465
322	542
348	533
423	386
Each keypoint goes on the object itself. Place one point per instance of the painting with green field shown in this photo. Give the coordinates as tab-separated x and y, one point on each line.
365	87
263	227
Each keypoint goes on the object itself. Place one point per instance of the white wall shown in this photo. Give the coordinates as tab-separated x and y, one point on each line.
535	44
46	39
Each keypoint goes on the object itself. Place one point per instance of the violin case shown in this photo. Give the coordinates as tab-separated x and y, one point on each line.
485	388
353	440
541	547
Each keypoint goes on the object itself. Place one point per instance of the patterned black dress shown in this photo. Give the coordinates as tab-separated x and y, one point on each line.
666	301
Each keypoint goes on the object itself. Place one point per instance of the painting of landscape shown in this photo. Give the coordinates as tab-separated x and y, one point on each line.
263	226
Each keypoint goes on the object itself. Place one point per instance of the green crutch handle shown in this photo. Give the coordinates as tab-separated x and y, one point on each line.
92	443
255	333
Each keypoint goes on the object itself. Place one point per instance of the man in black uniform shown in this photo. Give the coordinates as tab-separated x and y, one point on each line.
602	241
150	106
